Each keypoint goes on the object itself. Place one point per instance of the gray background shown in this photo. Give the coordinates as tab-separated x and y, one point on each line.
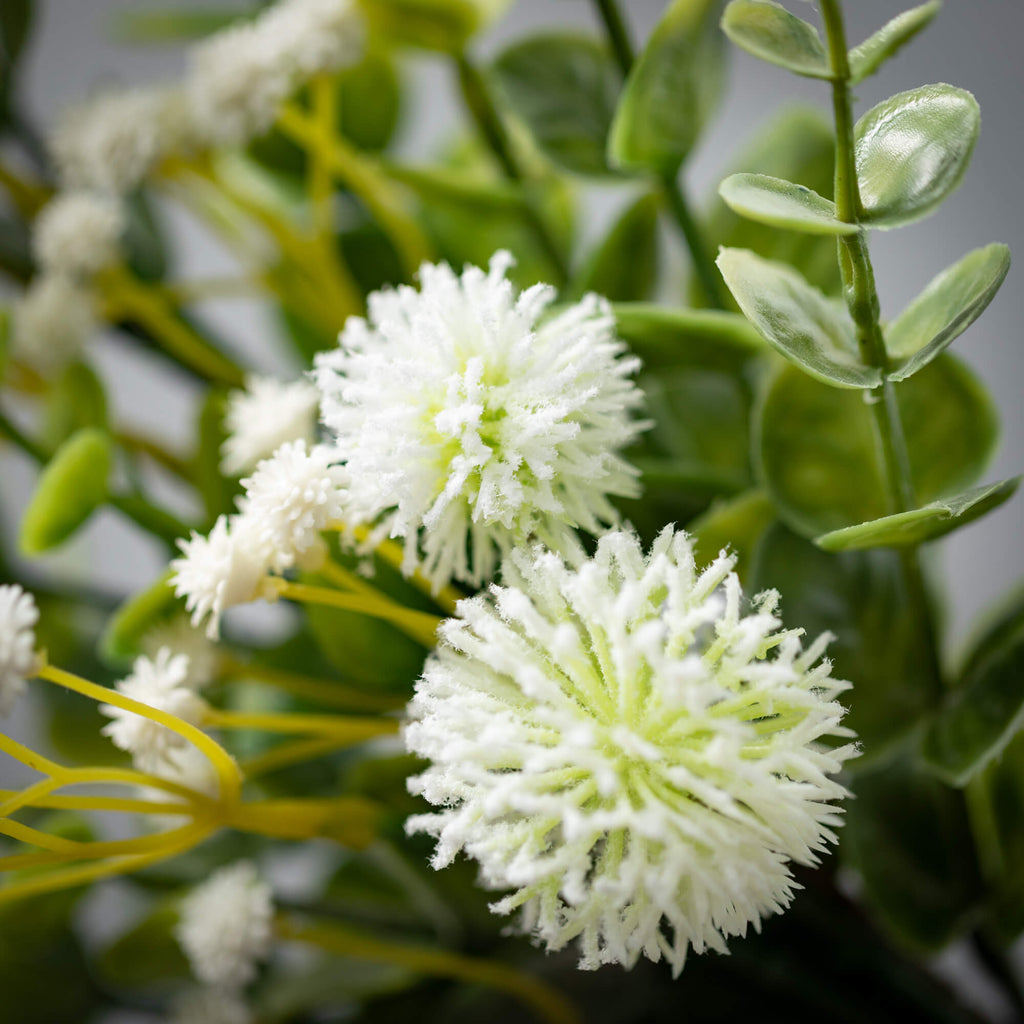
973	43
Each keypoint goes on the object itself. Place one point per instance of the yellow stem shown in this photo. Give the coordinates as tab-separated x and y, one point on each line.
33	837
364	178
28	757
324	95
53	881
343	577
351	821
228	775
131	298
420	626
27	796
182	293
154	450
547	1002
290	753
102	803
323	691
342	728
96	775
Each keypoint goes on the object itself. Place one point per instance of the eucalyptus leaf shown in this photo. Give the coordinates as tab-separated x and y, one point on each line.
672	90
768	31
819	454
443	25
859	597
909	839
912	150
945	309
918	525
77	399
624	267
796	319
797	145
867	58
122	638
671	336
72	486
783	204
564	87
985	711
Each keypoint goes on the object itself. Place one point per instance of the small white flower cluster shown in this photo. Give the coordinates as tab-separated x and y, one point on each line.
181	637
290	499
77	234
263	417
161	683
620	745
239	77
225	927
471	423
18	617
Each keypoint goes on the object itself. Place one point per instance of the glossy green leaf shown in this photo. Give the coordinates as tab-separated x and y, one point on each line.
122	639
783	204
909	839
172	26
768	31
867	58
666	336
918	525
624	267
985	711
860	597
144	243
564	87
796	319
945	309
444	25
912	150
736	524
369	101
671	92
797	146
72	486
819	455
76	400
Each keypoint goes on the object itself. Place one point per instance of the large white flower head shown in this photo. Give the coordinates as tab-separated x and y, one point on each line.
214	572
628	751
18	617
160	683
225	926
52	321
263	417
470	423
111	142
78	234
240	76
291	498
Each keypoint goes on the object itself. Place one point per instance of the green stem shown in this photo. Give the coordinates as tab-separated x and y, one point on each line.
618	34
861	296
703	264
480	103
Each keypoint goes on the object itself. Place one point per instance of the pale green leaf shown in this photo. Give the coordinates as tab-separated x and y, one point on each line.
735	524
795	318
912	150
945	309
867	58
624	267
783	204
768	31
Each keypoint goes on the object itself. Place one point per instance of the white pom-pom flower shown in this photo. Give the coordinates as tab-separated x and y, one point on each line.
181	637
225	926
470	424
623	747
290	499
240	76
52	321
263	417
160	683
210	1006
18	617
220	570
78	234
111	142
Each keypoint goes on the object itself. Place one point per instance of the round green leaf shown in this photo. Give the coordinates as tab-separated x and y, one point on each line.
625	280
672	91
444	25
819	455
867	58
921	524
945	309
736	524
77	399
912	150
783	204
767	30
796	319
70	489
564	87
